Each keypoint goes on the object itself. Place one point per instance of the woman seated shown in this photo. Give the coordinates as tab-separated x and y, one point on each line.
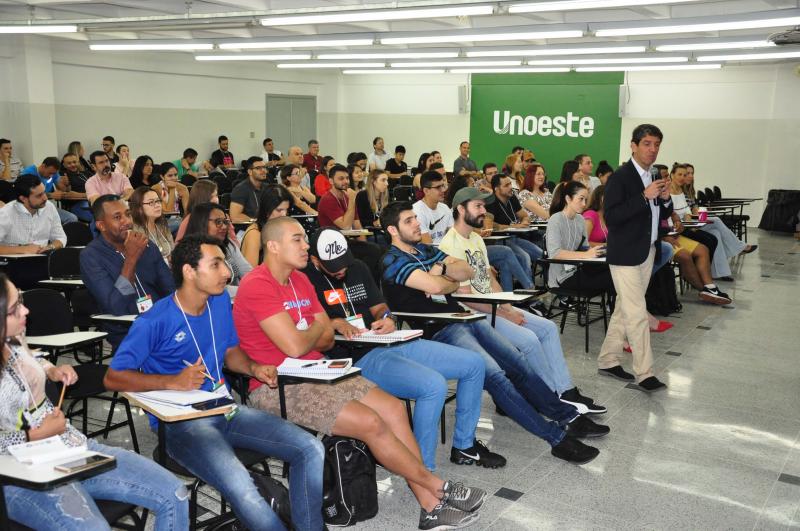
203	191
124	165
174	195
373	198
424	164
303	197
209	219
513	167
604	171
357	177
142	173
695	263
321	182
534	195
148	218
26	414
274	202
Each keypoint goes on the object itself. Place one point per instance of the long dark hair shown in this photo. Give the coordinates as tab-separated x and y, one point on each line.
4	282
137	175
569	169
271	197
421	168
136	203
564	190
198	221
596	201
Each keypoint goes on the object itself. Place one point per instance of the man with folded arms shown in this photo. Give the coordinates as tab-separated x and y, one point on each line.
182	345
534	336
417	369
278	316
420	278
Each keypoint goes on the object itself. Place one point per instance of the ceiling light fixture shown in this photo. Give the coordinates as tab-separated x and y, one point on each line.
767	19
640	68
314	43
698	46
521	70
151	46
609	61
481	37
40	28
390	71
572	5
255	57
447	64
751	56
389	55
377	15
543	51
331	65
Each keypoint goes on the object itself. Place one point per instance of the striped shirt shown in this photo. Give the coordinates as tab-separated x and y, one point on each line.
20	227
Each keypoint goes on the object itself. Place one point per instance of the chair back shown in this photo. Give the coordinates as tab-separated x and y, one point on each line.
83	307
225	201
709	194
78	234
701	198
6	192
717	193
49	313
64	263
403	193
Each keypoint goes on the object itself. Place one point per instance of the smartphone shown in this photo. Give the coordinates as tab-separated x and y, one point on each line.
213	403
83	463
337	364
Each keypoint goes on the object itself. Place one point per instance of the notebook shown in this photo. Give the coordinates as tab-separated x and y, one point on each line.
44	450
297	367
175	398
394	337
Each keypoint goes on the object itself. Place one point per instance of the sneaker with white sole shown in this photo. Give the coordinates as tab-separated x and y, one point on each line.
444	516
583	404
715	296
478	454
463	498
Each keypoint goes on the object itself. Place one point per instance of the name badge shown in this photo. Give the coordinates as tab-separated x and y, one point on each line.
441	299
302	324
144	303
221	390
357	321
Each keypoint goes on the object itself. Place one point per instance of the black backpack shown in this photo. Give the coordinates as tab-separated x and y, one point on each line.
276	496
349	488
661	296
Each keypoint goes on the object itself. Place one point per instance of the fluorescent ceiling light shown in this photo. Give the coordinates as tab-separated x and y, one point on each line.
389	55
390	71
730	45
151	46
331	65
639	68
253	45
480	37
41	28
571	5
378	14
751	56
445	64
556	51
255	57
521	70
769	19
610	61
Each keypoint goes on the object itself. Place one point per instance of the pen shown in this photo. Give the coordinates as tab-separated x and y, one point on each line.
61	399
204	372
307	365
386	314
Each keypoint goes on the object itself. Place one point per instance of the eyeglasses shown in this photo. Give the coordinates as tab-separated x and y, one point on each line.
152	203
264	167
15	309
441	187
220	222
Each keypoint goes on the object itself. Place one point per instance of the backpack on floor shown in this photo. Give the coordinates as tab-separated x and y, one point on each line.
661	296
349	487
274	493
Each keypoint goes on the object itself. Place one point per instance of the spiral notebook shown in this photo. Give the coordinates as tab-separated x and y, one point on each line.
370	336
297	367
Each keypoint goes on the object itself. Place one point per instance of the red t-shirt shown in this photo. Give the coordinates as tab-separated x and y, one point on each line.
321	184
310	162
330	208
259	297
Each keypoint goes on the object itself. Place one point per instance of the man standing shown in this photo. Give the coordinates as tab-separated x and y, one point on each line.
10	165
433	214
30	224
104	181
108	148
464	165
245	197
634	205
222	158
378	158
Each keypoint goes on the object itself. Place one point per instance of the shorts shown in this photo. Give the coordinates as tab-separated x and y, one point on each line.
685	244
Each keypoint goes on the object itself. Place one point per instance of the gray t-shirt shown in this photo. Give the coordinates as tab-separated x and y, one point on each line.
568	235
463	164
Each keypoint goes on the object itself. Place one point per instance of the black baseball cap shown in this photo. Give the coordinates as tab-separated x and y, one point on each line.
330	246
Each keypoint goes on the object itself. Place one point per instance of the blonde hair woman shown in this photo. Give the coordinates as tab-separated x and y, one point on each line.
371	201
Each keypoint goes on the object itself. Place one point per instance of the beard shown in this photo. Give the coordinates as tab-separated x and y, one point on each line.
474	221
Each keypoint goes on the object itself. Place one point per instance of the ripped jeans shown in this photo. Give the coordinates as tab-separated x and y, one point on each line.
136	480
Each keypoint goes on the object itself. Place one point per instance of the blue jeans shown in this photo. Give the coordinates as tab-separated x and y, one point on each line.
83	211
538	339
420	370
205	447
511	380
509	267
136	480
666	256
66	216
526	251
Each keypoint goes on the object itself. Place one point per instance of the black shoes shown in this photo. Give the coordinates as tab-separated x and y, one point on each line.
651	384
617	372
750	250
583	404
479	455
574	451
714	296
583	427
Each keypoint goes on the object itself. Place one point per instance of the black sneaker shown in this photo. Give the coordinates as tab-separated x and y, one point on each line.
479	455
467	499
574	451
583	404
565	303
715	296
583	427
445	517
648	385
617	372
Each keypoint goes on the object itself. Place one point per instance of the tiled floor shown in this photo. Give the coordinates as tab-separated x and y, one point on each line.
719	449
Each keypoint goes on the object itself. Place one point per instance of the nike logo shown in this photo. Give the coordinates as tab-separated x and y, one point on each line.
433	223
476	457
348	457
333	297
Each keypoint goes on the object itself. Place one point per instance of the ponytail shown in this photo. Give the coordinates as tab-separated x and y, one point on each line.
562	191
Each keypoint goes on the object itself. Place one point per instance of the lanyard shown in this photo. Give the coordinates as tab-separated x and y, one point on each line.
296	301
136	281
513	214
344	309
213	338
418	261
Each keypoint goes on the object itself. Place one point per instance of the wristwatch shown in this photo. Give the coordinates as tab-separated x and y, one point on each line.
443	266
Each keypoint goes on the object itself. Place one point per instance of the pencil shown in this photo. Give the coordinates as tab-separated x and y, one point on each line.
61	399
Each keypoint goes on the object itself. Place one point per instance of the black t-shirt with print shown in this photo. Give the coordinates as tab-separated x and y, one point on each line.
505	213
246	195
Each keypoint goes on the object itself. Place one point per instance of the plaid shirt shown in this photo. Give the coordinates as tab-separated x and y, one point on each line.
20	227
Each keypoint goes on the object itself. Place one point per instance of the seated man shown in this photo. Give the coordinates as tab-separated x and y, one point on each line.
124	273
222	158
432	212
72	186
245	197
182	345
47	172
10	165
506	211
534	336
30	224
104	181
415	369
277	315
419	278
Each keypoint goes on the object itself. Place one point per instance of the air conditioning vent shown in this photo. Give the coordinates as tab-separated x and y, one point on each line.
791	36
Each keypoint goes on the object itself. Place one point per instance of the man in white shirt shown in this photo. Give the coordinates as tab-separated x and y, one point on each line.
433	214
30	224
271	156
377	159
585	166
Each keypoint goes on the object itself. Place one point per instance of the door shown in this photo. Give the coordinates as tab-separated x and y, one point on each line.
291	120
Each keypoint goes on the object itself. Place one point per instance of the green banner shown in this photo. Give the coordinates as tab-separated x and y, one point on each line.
557	116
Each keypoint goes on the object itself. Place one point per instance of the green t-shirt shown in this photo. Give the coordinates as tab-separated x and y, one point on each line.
182	171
